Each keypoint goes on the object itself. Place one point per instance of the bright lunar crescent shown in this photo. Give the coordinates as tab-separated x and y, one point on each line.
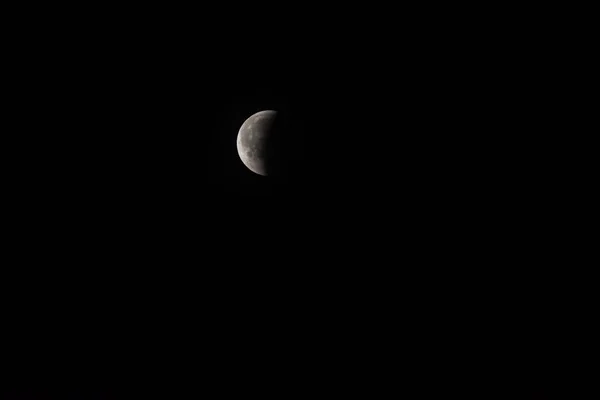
252	141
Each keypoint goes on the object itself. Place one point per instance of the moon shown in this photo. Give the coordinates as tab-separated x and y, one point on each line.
253	141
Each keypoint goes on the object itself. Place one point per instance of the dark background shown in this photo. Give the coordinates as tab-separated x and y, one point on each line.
145	258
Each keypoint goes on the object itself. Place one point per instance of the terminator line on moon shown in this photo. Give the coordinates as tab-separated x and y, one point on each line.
252	141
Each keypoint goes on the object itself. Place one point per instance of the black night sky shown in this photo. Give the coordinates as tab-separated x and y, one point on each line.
149	260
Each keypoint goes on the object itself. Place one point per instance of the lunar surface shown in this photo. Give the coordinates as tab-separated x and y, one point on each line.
252	141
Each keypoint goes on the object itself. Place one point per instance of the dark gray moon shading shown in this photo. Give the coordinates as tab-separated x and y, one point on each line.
252	141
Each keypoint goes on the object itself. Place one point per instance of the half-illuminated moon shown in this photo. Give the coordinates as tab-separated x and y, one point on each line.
252	141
